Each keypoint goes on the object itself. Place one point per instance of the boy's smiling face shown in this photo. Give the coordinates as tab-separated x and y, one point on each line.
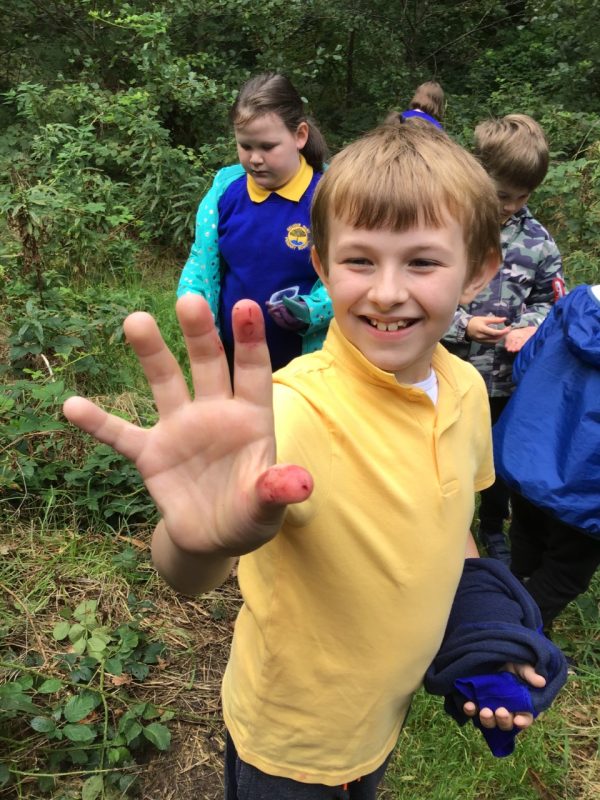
394	293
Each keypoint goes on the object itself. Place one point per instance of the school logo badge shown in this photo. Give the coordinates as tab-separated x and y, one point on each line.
297	237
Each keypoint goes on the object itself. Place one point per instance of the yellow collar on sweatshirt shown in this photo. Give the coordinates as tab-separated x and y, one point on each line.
292	190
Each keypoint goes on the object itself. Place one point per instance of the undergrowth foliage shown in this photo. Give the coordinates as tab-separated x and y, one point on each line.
75	715
113	120
60	341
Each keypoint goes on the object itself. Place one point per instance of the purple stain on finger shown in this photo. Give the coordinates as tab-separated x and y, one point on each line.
245	324
284	484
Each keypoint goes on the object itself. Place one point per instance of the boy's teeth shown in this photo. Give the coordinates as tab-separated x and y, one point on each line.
387	326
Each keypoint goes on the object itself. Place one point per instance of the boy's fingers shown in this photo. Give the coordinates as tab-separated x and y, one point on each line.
486	717
527	673
283	484
210	373
470	708
276	488
523	719
126	438
160	367
503	719
252	377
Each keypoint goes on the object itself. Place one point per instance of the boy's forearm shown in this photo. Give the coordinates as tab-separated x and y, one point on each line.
188	573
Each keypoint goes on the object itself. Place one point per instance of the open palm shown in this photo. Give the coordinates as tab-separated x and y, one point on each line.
208	461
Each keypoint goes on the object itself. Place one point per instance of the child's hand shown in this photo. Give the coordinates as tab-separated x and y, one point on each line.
501	717
283	317
208	461
517	337
480	329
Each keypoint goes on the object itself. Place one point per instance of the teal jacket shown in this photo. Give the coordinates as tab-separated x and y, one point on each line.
201	273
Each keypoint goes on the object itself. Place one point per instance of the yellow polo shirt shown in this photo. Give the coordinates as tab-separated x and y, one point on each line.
345	609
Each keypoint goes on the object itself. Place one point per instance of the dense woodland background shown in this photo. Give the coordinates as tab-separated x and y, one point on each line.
113	119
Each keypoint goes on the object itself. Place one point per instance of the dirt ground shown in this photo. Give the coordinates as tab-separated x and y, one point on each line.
199	637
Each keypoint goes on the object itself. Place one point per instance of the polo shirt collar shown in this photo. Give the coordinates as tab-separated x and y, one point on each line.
344	353
292	190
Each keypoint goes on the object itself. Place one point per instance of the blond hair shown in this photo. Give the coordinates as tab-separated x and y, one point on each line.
429	97
513	149
399	176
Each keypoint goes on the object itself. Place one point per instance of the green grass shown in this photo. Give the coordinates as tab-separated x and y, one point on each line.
556	759
51	560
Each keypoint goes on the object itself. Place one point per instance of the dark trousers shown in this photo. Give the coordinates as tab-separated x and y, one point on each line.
244	782
493	506
558	560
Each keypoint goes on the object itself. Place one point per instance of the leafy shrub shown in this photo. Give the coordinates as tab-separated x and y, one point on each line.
81	716
46	463
569	204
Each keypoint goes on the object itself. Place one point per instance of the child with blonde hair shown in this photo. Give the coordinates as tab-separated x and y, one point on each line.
490	330
345	481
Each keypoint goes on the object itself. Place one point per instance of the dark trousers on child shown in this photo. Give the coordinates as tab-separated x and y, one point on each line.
557	560
244	782
493	506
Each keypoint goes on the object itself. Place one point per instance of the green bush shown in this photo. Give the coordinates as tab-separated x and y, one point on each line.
80	719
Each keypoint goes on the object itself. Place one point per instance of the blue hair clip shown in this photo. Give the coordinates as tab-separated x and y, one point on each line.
421	115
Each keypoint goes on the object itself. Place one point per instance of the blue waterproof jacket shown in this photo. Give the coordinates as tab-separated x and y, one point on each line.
547	440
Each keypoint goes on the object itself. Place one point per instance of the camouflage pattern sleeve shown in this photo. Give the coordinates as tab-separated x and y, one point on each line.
522	292
457	332
539	302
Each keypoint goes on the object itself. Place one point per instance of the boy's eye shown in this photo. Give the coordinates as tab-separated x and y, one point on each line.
423	262
268	146
357	261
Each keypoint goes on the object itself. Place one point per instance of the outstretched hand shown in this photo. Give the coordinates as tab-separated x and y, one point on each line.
209	461
501	717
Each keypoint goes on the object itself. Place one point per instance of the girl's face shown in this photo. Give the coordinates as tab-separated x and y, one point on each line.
269	151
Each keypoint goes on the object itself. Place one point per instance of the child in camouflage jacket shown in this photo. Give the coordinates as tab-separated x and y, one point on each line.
491	330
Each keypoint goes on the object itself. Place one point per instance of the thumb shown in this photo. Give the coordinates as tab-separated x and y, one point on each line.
283	484
527	673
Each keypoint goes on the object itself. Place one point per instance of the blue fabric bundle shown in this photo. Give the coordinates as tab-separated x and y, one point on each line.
494	621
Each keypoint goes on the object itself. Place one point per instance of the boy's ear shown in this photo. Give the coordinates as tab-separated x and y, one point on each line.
317	264
480	281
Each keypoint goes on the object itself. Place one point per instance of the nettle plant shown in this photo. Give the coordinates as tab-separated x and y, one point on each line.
82	723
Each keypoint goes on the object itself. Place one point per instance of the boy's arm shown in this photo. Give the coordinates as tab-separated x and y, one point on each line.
548	288
501	717
209	460
457	331
543	295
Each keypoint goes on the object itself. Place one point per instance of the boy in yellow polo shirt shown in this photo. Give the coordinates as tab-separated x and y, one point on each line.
347	487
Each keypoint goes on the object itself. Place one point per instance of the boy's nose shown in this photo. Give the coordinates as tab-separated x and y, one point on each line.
388	289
